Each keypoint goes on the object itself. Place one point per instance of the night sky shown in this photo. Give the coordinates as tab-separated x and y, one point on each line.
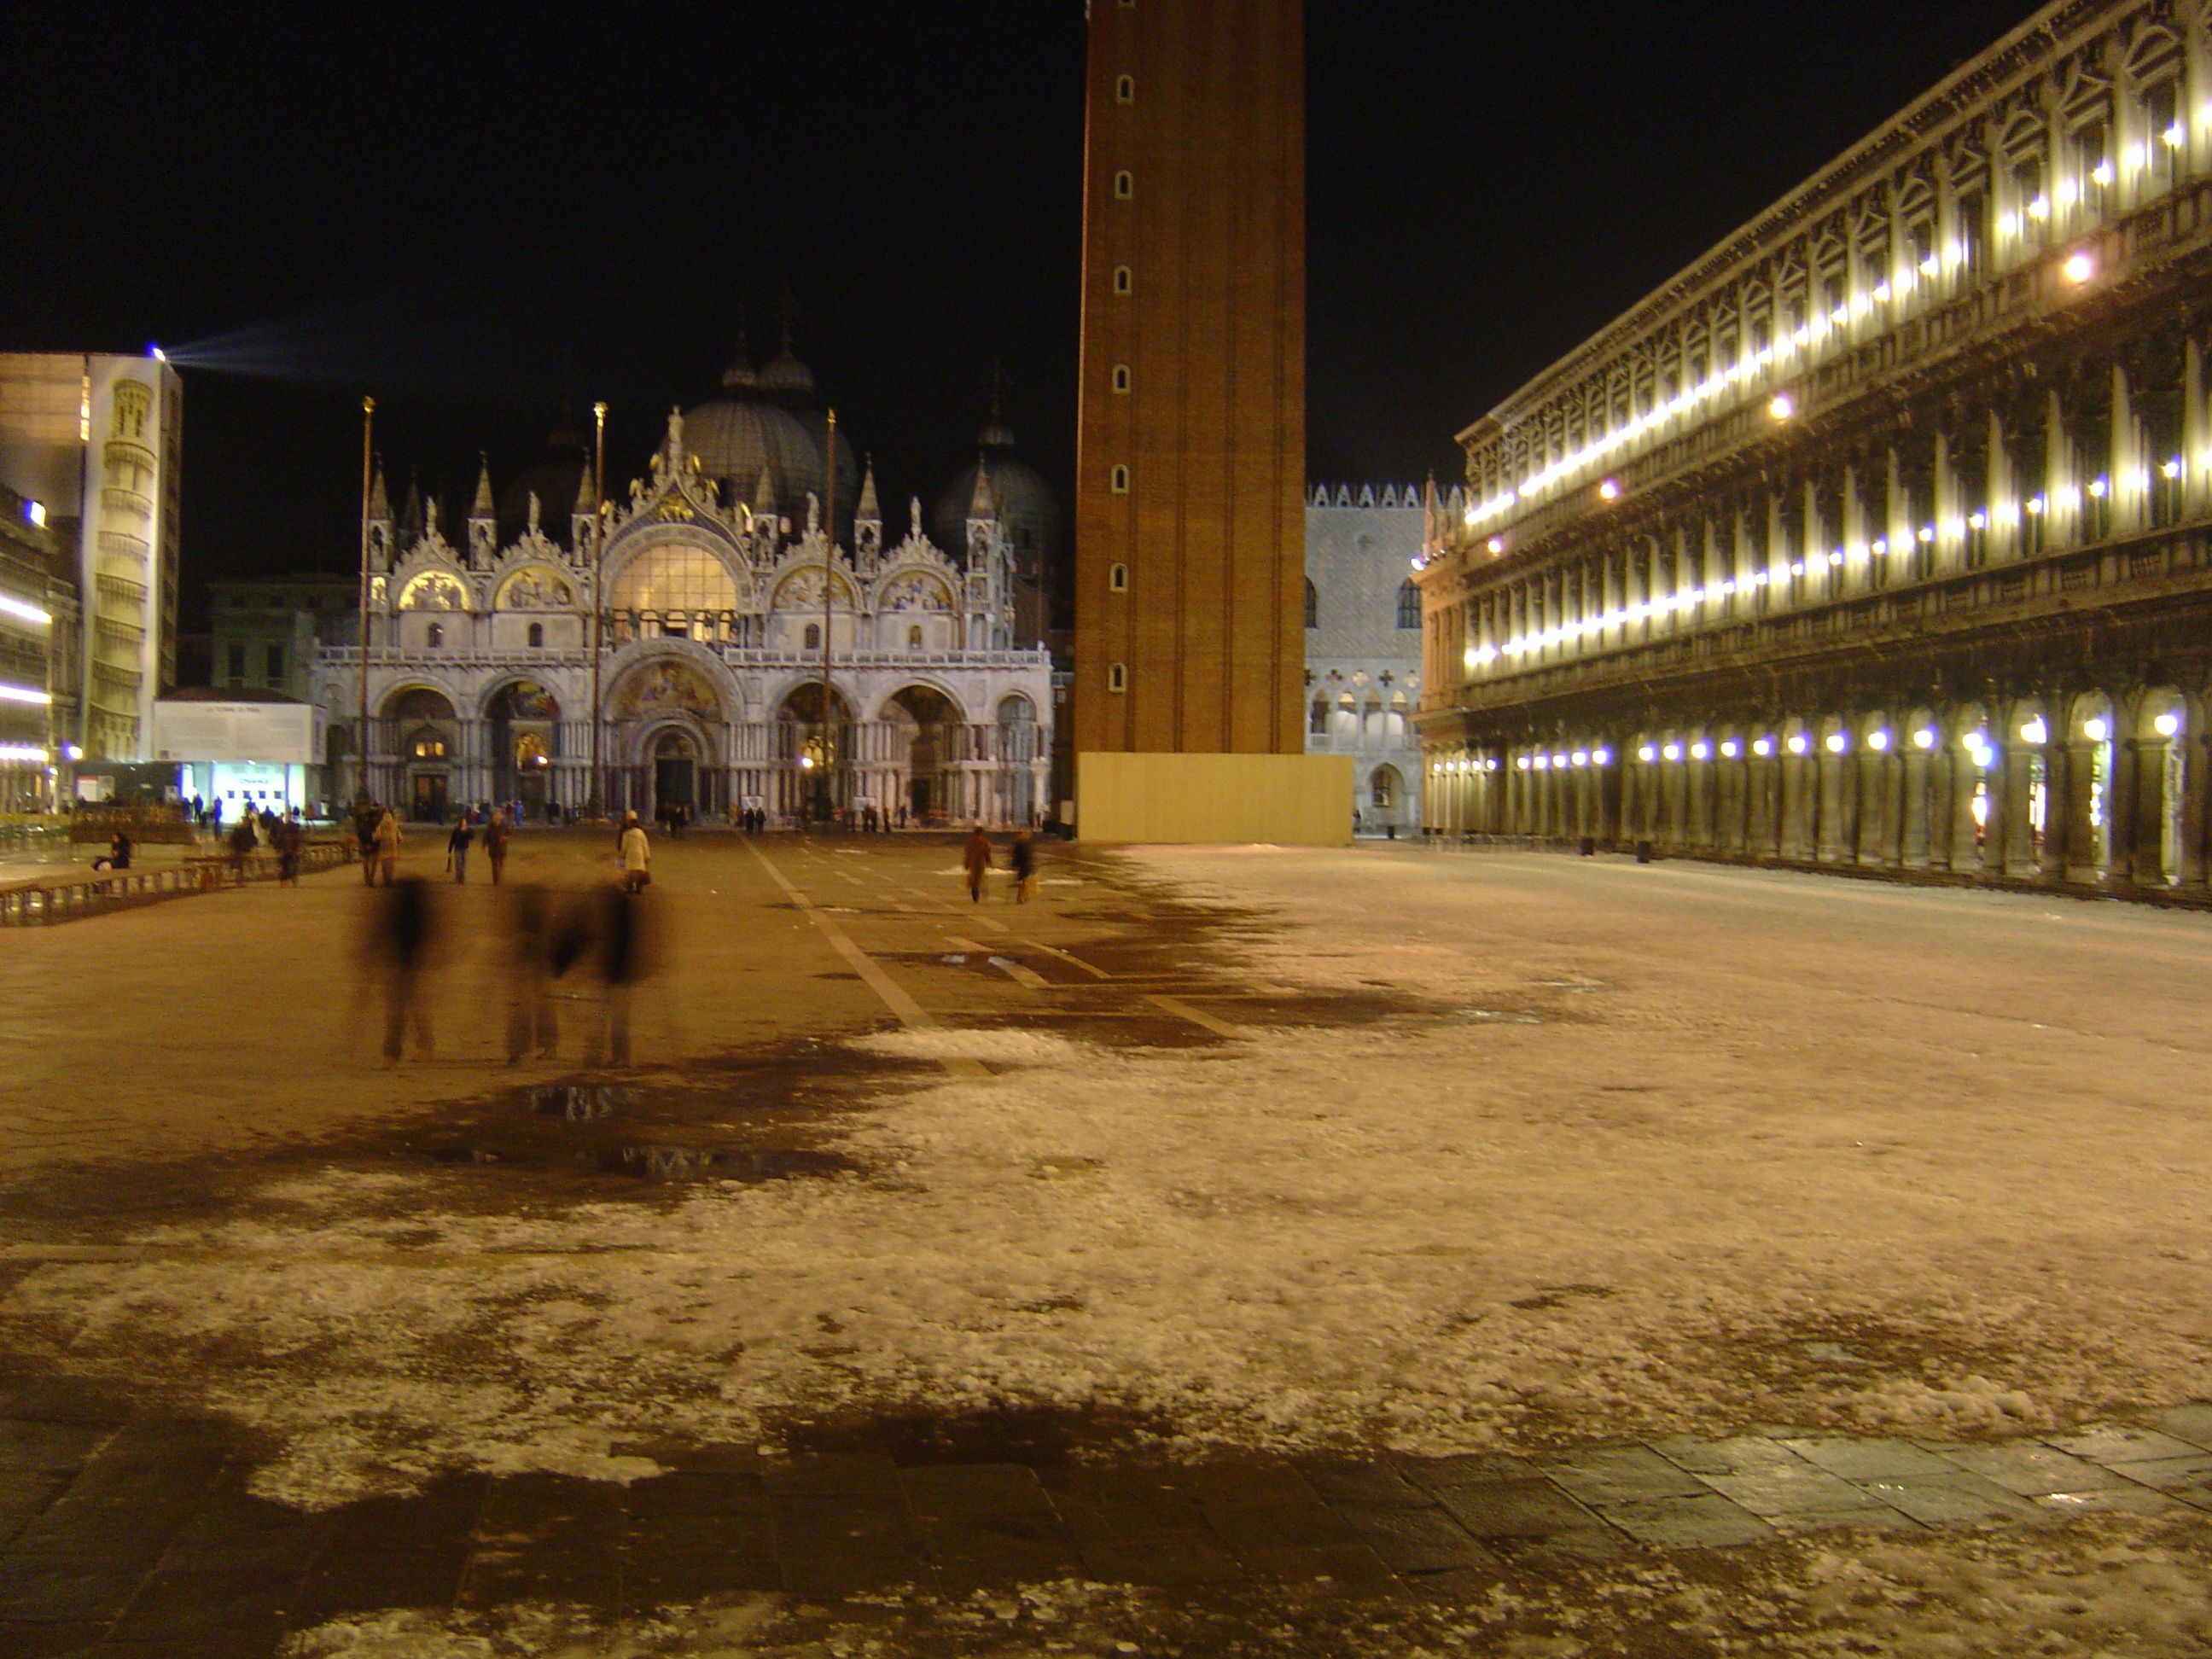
483	218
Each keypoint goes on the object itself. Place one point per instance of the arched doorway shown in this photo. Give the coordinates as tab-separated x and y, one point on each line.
659	694
525	729
813	749
426	740
925	729
1384	787
675	772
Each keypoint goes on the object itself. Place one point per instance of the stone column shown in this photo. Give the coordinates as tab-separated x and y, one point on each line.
1997	826
1966	856
2192	747
1916	849
2122	807
2057	807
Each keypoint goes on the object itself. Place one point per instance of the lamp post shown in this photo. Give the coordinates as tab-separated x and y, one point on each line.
827	789
361	716
598	601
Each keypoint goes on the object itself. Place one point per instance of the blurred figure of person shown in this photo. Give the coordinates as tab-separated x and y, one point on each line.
620	932
402	928
291	836
387	839
457	847
495	837
242	843
538	956
364	829
976	856
636	855
118	851
901	815
1023	859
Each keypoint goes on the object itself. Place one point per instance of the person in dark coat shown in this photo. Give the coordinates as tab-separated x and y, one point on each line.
1023	859
457	847
290	838
403	932
242	843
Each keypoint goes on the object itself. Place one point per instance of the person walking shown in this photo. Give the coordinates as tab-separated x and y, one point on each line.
636	856
387	847
976	855
495	837
1023	859
364	829
242	843
291	836
400	940
457	847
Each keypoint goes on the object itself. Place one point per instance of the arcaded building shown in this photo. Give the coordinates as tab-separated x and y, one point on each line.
1879	535
666	649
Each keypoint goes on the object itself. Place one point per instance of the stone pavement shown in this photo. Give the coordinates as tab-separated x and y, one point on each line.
126	1536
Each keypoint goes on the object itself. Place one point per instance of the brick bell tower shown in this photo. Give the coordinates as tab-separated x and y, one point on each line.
1189	520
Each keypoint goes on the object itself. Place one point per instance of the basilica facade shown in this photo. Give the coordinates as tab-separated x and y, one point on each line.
669	649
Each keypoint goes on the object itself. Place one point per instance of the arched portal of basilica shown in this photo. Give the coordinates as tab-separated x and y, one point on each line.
670	651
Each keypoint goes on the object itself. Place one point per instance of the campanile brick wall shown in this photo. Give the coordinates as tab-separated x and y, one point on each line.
1194	184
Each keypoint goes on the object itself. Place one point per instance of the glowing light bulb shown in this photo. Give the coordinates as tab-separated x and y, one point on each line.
1701	750
1601	757
1838	742
1498	543
2167	725
1673	751
1647	753
1762	746
1923	738
1580	757
1878	741
1797	744
1781	406
1608	491
1728	749
2095	729
2079	267
2035	732
2171	469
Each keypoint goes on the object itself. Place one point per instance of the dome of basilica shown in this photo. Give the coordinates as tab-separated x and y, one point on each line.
744	433
1027	506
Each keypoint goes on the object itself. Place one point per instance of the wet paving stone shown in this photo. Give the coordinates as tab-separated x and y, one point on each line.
987	1524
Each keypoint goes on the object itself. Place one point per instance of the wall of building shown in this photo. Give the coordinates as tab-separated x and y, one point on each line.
1191	436
1291	800
1364	645
1882	535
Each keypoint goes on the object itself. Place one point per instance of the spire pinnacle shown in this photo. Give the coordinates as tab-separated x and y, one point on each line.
868	508
483	507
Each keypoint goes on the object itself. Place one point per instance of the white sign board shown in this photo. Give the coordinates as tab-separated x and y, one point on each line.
275	733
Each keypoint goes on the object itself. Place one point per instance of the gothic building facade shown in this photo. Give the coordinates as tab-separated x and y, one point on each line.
1882	536
1364	644
669	650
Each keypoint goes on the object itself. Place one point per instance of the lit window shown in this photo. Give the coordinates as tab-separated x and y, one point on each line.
436	636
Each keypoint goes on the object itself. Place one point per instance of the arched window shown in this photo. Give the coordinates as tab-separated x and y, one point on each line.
913	636
1125	185
1117	578
1117	481
1317	719
1313	605
436	636
1124	280
1409	605
537	635
1121	377
813	636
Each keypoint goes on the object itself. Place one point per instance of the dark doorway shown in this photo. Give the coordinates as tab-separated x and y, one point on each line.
430	803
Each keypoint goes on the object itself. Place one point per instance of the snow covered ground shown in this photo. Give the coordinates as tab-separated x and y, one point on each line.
1653	1150
2102	1590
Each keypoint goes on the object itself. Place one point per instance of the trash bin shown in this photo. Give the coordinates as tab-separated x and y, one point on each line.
1589	847
1643	852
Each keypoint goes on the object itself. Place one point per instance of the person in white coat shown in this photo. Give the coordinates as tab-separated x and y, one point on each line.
636	855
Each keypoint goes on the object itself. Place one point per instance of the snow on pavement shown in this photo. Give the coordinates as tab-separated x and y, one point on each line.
1670	1155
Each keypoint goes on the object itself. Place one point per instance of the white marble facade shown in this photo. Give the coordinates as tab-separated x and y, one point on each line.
1364	644
486	676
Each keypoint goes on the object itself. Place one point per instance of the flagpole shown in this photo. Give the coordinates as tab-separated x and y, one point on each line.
367	482
828	594
592	808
